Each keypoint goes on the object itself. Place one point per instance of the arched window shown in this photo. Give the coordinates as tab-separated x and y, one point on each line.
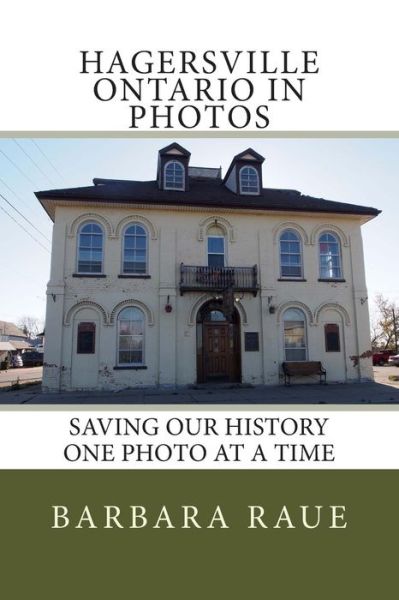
295	346
249	181
290	254
174	175
131	337
216	247
135	250
90	248
330	256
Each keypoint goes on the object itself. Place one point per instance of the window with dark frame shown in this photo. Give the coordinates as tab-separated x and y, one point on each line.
86	338
331	334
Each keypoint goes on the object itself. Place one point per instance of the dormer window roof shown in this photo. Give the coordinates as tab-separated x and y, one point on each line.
173	161
244	175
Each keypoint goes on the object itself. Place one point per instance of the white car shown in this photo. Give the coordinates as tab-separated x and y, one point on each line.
393	360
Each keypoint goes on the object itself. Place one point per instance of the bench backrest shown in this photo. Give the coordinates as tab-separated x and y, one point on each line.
302	367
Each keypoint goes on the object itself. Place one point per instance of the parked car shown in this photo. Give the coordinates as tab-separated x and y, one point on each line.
381	357
16	360
393	360
32	359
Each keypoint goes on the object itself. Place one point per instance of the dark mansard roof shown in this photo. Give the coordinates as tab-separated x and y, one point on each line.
202	192
205	189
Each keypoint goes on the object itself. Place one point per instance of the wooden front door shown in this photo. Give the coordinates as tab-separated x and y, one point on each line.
220	352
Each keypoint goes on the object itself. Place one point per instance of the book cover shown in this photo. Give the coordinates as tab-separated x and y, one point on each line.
199	306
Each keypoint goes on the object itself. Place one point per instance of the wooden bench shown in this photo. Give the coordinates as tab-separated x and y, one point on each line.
304	369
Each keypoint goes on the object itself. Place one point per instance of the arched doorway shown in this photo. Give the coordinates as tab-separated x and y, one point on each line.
218	344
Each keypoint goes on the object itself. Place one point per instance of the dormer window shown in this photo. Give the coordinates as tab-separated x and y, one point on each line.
249	180
174	176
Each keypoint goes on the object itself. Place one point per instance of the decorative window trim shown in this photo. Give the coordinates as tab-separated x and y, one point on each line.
301	265
145	274
90	217
85	304
166	187
325	228
151	229
134	304
130	367
290	225
216	221
332	306
242	193
89	275
77	246
294	304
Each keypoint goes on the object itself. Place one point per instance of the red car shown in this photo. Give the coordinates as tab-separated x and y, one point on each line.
381	357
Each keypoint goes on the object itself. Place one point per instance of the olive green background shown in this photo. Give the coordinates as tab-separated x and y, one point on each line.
358	562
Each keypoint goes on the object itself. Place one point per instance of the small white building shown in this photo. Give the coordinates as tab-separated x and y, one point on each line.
194	277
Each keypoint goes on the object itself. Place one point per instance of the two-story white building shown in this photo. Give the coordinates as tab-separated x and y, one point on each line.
194	277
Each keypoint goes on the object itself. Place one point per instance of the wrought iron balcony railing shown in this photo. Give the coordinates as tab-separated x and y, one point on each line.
218	279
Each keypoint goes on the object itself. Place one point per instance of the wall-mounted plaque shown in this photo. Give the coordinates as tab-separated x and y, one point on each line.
251	341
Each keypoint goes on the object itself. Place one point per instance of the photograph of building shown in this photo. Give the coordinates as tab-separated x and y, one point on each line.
202	277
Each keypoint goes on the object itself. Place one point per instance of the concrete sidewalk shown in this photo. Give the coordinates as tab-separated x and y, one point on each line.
361	393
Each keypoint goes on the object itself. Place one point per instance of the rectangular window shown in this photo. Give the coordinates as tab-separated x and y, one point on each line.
215	251
86	338
331	335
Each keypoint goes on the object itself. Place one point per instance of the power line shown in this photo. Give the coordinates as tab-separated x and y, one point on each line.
23	216
32	161
26	231
18	169
16	195
47	158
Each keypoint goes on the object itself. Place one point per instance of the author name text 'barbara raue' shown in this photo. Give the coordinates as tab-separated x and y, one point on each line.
252	516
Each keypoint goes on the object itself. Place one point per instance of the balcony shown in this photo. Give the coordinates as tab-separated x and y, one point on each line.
218	279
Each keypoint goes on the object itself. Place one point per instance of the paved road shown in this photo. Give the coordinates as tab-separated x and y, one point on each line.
11	376
381	375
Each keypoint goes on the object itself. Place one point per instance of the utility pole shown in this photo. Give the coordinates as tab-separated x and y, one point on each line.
395	329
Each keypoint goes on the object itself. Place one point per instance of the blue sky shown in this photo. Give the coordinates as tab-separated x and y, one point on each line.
359	171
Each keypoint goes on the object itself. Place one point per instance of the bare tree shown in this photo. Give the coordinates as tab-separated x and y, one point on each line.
385	326
31	326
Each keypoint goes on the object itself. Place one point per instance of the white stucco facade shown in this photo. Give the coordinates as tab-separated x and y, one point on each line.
178	234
